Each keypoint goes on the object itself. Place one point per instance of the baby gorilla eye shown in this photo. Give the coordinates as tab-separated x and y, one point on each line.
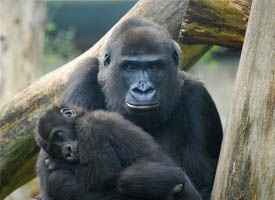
58	136
68	112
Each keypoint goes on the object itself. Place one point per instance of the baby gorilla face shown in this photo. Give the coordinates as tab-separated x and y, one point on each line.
62	139
62	144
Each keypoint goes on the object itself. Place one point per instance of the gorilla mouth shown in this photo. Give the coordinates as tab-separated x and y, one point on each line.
142	106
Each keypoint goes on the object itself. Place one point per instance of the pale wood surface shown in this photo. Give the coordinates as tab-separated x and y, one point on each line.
246	169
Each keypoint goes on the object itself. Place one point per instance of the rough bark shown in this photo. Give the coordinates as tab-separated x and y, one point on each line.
21	44
246	169
18	117
215	22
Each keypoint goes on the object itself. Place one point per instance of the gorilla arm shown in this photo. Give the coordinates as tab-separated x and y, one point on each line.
152	180
83	89
149	172
59	182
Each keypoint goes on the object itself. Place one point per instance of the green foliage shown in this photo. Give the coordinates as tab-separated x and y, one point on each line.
208	57
59	44
59	47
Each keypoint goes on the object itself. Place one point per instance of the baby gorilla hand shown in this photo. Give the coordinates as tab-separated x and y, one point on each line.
51	165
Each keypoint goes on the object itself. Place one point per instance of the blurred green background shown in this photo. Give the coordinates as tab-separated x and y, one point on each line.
74	26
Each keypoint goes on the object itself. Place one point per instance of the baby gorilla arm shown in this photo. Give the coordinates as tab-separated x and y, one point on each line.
151	180
57	181
65	186
60	183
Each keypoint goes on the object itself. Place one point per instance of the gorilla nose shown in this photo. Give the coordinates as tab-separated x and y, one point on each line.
143	91
146	91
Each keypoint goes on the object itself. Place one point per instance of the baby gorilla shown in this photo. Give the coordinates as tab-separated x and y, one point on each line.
100	155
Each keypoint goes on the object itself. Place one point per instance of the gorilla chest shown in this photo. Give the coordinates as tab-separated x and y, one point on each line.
172	141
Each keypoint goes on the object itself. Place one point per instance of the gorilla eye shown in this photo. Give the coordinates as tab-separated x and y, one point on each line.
107	60
176	57
153	68
68	112
58	136
130	67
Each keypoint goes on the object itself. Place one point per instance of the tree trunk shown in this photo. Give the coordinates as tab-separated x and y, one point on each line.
246	169
215	22
18	117
21	44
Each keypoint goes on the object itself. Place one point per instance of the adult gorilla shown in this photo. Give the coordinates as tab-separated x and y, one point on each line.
137	75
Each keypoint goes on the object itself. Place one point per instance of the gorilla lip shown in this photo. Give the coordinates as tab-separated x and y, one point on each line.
142	106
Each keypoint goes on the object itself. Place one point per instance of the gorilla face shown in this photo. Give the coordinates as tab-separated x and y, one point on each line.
139	71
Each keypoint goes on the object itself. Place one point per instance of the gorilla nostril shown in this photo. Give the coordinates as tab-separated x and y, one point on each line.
137	90
149	90
68	149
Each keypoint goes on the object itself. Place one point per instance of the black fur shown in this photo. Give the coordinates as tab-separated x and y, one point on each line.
186	123
114	159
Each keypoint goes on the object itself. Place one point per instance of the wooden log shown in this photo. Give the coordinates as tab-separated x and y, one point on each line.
215	22
246	169
18	117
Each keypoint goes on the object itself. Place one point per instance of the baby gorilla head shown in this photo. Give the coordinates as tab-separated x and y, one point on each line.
56	133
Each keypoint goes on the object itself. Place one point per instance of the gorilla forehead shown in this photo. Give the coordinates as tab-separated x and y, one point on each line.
138	36
143	41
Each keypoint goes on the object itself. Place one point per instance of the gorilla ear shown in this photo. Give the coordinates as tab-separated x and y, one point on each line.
176	54
107	60
68	112
175	57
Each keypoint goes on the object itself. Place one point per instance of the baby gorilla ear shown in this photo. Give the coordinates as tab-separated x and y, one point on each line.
68	112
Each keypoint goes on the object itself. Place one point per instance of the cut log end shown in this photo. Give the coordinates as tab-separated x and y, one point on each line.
196	37
220	23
